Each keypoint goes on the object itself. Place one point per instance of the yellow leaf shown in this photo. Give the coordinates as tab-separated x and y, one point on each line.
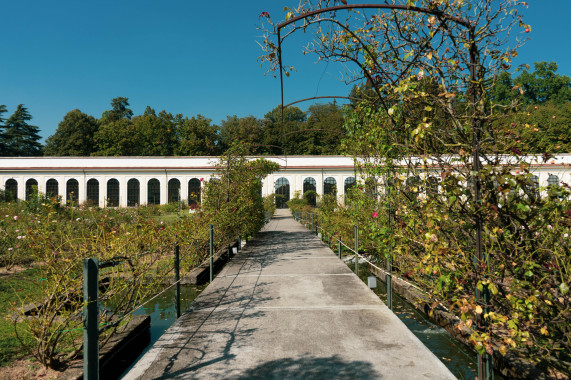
479	309
503	350
544	330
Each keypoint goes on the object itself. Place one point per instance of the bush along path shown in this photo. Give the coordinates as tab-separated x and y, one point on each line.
133	246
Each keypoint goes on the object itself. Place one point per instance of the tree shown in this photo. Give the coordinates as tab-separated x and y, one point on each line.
74	136
544	84
21	138
196	137
246	130
3	143
433	65
116	134
284	131
325	125
155	135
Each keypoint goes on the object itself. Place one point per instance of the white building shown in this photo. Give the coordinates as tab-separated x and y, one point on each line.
128	181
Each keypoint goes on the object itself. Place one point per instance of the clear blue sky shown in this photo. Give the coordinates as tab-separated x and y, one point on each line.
183	56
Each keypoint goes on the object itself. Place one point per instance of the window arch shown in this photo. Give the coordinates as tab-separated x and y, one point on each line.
11	190
52	188
154	192
173	190
93	192
194	191
431	186
330	186
72	191
552	180
113	193
309	184
133	192
31	188
348	184
281	189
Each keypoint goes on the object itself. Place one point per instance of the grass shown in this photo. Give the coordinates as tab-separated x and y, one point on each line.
13	287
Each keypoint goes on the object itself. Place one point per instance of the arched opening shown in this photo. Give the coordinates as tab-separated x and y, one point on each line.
174	191
194	192
552	180
133	192
31	188
11	190
113	193
154	192
330	186
52	188
348	185
93	192
431	186
72	191
310	191
281	190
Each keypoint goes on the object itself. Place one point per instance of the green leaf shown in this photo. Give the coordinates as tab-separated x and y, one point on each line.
493	288
564	288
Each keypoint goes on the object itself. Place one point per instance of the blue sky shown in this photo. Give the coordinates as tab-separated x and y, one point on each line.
183	56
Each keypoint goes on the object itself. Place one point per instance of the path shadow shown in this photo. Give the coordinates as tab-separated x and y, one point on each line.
331	368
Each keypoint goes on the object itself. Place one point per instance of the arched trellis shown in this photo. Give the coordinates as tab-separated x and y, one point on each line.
480	259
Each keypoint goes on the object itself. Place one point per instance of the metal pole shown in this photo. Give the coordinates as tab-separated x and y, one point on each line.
239	242
485	363
356	250
177	279
339	248
211	252
90	319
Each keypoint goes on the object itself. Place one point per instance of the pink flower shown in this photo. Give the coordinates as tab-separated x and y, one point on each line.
16	217
375	214
202	179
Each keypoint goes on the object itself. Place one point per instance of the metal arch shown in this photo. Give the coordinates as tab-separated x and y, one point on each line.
355	6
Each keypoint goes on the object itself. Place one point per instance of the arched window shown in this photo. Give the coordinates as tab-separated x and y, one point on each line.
52	188
535	183
93	192
347	185
154	192
174	191
31	188
113	193
552	180
281	189
72	191
193	191
330	186
371	187
133	192
309	184
431	186
11	190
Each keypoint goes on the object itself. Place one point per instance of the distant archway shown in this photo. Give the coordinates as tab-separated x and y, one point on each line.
194	191
330	186
173	190
113	193
93	192
31	188
133	192
309	184
72	191
11	190
154	192
281	190
52	188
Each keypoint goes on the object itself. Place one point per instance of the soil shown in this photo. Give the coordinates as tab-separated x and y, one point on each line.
27	369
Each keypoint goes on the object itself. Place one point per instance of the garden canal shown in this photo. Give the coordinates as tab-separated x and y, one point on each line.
458	358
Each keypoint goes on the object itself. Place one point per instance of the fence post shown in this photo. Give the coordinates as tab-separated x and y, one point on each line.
356	250
177	279
211	252
389	284
90	319
339	247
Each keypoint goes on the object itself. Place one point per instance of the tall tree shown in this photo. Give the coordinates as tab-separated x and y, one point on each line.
325	126
74	136
285	135
247	130
155	135
544	84
3	144
115	135
197	137
21	138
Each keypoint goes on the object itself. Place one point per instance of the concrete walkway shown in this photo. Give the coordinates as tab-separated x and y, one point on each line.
287	308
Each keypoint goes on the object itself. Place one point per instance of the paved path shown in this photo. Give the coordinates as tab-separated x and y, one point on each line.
287	308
